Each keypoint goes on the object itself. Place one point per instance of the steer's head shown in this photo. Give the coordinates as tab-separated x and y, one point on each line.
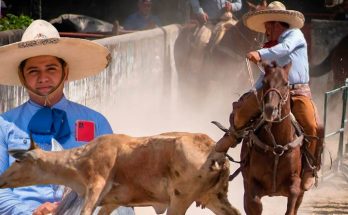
23	171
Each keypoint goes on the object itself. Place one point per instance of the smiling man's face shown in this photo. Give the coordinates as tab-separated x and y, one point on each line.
42	74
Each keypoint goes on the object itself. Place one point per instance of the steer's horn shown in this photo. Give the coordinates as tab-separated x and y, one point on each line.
220	126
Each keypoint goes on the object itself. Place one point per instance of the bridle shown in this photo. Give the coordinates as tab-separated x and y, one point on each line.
282	101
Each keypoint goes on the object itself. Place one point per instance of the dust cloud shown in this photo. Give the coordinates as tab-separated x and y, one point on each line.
144	105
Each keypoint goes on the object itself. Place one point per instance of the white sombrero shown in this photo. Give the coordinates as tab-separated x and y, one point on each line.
275	11
84	58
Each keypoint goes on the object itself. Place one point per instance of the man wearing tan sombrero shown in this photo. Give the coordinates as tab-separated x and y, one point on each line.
42	62
286	44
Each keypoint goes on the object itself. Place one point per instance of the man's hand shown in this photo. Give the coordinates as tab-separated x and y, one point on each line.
46	208
254	56
228	6
150	25
203	18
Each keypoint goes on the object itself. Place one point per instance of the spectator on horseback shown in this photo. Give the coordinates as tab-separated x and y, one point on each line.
43	62
212	10
143	18
286	44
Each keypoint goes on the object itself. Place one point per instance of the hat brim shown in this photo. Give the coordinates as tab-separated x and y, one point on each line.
256	20
85	58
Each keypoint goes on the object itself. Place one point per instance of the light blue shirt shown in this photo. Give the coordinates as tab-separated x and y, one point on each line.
24	200
291	47
213	7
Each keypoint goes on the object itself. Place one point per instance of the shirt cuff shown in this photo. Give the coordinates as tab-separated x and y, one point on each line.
265	54
200	11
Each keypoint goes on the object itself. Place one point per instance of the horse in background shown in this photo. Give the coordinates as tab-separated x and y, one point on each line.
272	149
220	59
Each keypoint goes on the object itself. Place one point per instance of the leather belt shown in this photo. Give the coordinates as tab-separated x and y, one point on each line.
298	86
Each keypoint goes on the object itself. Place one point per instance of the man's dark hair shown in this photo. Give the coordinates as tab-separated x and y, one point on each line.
284	24
22	64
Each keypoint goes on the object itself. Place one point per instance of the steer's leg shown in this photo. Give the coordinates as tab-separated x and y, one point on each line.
178	206
92	197
219	204
107	209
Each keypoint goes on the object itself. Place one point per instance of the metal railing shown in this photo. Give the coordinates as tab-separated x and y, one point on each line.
339	167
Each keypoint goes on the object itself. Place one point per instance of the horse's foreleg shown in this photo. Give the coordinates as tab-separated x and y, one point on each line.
252	199
299	201
295	198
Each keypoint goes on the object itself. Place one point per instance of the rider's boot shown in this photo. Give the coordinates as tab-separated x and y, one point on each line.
312	164
308	180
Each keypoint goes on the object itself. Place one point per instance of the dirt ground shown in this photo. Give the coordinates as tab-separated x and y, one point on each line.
329	198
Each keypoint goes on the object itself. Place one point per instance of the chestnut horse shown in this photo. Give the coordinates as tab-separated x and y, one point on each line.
272	149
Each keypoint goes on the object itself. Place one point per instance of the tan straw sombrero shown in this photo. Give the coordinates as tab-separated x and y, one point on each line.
275	11
84	58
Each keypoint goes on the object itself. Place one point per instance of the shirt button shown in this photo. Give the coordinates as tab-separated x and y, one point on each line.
25	141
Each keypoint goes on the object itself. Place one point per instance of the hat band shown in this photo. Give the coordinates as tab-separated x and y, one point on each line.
41	42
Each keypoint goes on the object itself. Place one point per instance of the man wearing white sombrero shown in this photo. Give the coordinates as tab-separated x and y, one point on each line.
286	44
42	62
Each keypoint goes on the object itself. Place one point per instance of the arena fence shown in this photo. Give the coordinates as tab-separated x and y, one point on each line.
144	56
336	164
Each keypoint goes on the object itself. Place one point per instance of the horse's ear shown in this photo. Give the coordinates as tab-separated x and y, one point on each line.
274	64
267	67
264	4
287	67
251	6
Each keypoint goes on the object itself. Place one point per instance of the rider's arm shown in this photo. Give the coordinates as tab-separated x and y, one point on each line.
10	204
236	5
196	7
288	42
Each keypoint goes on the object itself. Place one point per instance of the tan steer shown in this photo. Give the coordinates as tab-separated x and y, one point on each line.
167	171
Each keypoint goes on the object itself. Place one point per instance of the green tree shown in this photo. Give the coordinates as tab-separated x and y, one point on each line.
11	21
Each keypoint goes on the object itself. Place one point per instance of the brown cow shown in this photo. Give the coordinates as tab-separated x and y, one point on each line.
166	171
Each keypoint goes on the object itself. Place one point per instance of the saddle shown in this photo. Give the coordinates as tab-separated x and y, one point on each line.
211	34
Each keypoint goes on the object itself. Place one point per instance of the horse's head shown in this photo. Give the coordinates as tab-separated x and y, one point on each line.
275	92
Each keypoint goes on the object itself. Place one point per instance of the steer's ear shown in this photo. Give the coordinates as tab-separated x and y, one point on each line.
18	154
32	143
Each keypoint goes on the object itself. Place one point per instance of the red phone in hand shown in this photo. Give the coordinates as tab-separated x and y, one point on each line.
84	130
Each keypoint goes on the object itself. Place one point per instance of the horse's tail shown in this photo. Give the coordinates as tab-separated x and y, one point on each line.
322	68
71	204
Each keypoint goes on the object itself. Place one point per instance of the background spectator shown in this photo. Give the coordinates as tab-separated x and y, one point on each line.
142	19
